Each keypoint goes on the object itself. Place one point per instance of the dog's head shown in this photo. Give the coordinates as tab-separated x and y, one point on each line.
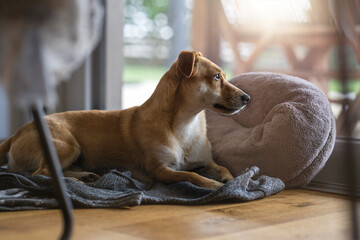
204	84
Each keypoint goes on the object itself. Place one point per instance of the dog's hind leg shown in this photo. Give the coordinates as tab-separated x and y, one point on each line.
81	175
68	152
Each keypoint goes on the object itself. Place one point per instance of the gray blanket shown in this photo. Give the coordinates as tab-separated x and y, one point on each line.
118	189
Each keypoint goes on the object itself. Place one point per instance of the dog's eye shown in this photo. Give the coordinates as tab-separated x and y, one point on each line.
216	77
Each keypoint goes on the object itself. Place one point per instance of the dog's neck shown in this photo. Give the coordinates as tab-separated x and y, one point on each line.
169	104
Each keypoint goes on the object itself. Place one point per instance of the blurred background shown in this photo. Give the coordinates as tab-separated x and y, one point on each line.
141	38
296	37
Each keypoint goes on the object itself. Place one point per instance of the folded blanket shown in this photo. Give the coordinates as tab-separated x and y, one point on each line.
117	188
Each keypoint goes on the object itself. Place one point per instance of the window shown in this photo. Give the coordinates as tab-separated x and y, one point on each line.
155	31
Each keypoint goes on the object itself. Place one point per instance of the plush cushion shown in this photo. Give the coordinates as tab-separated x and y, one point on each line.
287	129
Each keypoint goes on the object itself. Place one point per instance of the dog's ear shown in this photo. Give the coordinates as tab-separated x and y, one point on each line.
186	63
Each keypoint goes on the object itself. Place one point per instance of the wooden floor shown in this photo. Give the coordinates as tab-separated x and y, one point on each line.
292	214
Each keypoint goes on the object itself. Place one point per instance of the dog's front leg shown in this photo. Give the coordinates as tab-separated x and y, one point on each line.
168	175
217	172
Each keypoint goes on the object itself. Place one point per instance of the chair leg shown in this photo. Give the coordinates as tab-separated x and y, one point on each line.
53	164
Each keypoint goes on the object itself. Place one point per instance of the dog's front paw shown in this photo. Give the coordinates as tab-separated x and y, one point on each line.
214	185
225	175
226	179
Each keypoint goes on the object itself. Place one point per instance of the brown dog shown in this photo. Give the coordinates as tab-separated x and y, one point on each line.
163	139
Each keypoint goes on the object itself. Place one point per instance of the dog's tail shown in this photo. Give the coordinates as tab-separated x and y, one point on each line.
4	149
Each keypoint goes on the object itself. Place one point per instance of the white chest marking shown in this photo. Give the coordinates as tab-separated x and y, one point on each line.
189	149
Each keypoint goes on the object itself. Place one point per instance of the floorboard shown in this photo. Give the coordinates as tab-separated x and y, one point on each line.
292	214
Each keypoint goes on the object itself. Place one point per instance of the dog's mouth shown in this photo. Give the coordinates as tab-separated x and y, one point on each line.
228	110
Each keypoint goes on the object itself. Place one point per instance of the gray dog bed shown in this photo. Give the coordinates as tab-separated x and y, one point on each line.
288	129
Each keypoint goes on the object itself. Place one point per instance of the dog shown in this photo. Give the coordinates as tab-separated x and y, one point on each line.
164	139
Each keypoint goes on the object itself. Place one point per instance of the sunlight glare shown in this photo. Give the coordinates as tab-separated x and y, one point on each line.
266	12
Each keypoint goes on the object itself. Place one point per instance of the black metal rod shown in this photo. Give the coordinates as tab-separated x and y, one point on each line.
53	164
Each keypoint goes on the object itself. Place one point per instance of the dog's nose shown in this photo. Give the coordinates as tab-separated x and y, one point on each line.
245	98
